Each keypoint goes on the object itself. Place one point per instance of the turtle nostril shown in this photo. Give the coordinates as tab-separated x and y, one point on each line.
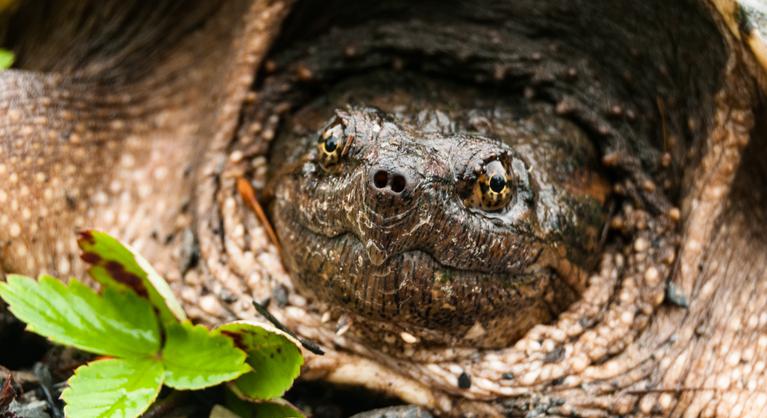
388	181
398	183
380	178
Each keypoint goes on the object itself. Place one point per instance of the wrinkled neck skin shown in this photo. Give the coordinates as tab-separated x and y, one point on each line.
145	131
420	256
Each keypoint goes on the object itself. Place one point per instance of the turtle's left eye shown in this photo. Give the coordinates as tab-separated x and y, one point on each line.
331	144
492	188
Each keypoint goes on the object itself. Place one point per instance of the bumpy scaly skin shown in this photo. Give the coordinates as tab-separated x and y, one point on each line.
393	232
146	138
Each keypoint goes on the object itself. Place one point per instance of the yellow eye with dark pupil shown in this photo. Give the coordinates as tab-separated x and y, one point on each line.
331	144
497	183
491	190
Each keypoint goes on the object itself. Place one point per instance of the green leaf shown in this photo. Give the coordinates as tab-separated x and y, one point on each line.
196	358
274	356
6	59
113	388
115	264
117	324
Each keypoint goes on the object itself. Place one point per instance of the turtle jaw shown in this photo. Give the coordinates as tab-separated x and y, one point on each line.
412	292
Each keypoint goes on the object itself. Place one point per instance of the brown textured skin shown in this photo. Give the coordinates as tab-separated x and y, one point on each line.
427	259
138	140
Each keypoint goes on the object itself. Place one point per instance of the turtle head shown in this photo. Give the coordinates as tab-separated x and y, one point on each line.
441	233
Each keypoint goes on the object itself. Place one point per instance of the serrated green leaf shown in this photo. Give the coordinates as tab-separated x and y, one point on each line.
114	264
113	388
117	323
196	358
6	59
274	356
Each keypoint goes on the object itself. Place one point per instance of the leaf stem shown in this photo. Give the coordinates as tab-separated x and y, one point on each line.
165	405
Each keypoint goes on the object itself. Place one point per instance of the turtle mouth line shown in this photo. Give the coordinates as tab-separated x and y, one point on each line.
359	248
343	241
422	295
348	247
428	256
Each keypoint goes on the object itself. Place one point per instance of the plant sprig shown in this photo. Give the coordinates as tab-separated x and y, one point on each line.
140	326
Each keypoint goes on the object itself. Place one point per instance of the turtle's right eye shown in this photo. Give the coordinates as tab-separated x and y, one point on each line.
331	144
492	189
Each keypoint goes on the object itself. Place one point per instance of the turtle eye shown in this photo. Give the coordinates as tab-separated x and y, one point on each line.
492	189
330	144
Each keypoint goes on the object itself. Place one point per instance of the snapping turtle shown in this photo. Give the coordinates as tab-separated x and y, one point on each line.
156	123
416	221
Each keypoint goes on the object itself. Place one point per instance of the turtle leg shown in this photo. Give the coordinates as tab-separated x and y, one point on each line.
105	122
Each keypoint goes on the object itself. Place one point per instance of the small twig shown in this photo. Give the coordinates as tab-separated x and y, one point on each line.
23	378
46	381
249	196
309	345
166	404
7	392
